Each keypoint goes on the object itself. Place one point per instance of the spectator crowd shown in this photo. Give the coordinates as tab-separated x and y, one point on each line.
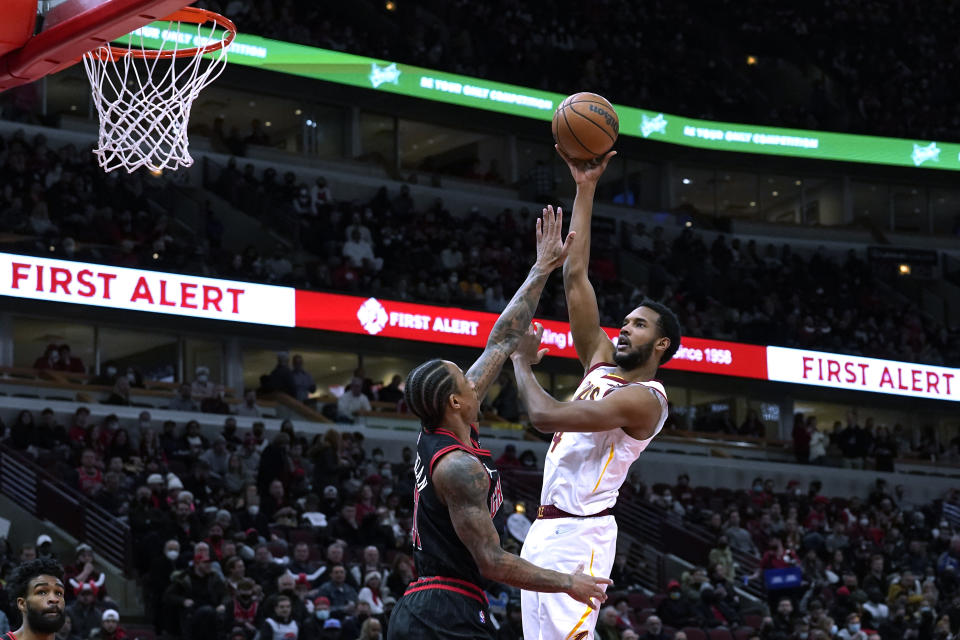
874	567
236	536
240	535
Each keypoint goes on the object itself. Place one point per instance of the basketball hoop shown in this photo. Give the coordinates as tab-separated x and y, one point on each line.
143	95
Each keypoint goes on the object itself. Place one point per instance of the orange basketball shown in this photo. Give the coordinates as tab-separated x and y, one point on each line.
585	126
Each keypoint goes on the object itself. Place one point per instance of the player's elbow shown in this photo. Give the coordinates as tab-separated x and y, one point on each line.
487	563
574	268
541	420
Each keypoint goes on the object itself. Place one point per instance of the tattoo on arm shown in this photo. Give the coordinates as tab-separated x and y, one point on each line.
462	483
507	331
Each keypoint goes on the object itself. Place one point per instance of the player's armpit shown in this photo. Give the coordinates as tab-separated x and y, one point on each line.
635	409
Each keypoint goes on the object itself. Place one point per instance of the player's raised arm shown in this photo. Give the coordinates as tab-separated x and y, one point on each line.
513	322
462	483
591	342
636	409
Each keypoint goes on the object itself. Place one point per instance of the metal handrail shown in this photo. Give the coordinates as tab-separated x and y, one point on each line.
46	497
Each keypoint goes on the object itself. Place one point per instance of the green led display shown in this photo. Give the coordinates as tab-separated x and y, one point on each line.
407	80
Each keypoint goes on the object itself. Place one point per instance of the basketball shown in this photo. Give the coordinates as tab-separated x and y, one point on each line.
585	126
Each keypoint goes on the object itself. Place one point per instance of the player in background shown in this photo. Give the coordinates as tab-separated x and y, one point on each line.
37	587
456	547
615	413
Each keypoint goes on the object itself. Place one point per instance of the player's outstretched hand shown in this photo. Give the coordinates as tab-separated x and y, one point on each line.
528	349
551	248
586	588
586	171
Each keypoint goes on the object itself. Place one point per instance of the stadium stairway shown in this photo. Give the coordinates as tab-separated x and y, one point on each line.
36	502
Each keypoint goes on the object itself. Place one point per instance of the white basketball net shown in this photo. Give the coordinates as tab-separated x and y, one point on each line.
144	103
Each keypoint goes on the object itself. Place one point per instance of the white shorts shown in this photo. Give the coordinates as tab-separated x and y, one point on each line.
562	544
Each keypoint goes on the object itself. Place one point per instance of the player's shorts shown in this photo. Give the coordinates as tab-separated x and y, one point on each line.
441	608
562	544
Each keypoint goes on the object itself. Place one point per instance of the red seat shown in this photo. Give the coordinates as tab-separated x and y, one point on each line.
743	633
639	601
694	633
643	614
295	536
720	633
753	620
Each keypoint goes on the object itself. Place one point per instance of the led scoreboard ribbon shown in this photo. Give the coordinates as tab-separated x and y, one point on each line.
104	286
439	86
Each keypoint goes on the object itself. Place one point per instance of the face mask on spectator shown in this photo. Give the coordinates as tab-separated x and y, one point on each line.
377	457
111	371
253	509
864	522
386	472
202	377
854	627
171	554
322	614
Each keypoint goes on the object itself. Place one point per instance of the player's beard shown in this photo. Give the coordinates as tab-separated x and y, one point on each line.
43	624
630	360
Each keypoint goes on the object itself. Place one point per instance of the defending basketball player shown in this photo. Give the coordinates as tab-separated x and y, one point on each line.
615	413
37	586
456	547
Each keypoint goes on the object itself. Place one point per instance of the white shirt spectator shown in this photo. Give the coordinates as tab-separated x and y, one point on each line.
366	595
818	445
278	266
365	235
356	251
879	612
452	258
353	400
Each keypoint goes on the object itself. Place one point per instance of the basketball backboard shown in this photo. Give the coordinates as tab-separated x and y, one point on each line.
67	30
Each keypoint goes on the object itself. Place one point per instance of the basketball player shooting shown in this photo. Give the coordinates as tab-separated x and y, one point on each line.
456	547
37	587
615	413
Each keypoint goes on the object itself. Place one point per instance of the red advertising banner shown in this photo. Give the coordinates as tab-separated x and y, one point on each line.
720	357
466	328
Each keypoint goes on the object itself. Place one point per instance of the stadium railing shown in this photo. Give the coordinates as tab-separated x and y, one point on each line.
46	497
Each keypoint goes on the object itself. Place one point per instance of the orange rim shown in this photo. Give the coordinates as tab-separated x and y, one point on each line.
191	15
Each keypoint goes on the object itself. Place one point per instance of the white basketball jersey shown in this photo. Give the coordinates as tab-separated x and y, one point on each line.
583	472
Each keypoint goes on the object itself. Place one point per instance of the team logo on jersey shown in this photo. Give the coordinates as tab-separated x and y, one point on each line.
372	316
581	635
496	499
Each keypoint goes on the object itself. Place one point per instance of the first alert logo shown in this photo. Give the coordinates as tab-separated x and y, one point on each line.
374	318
